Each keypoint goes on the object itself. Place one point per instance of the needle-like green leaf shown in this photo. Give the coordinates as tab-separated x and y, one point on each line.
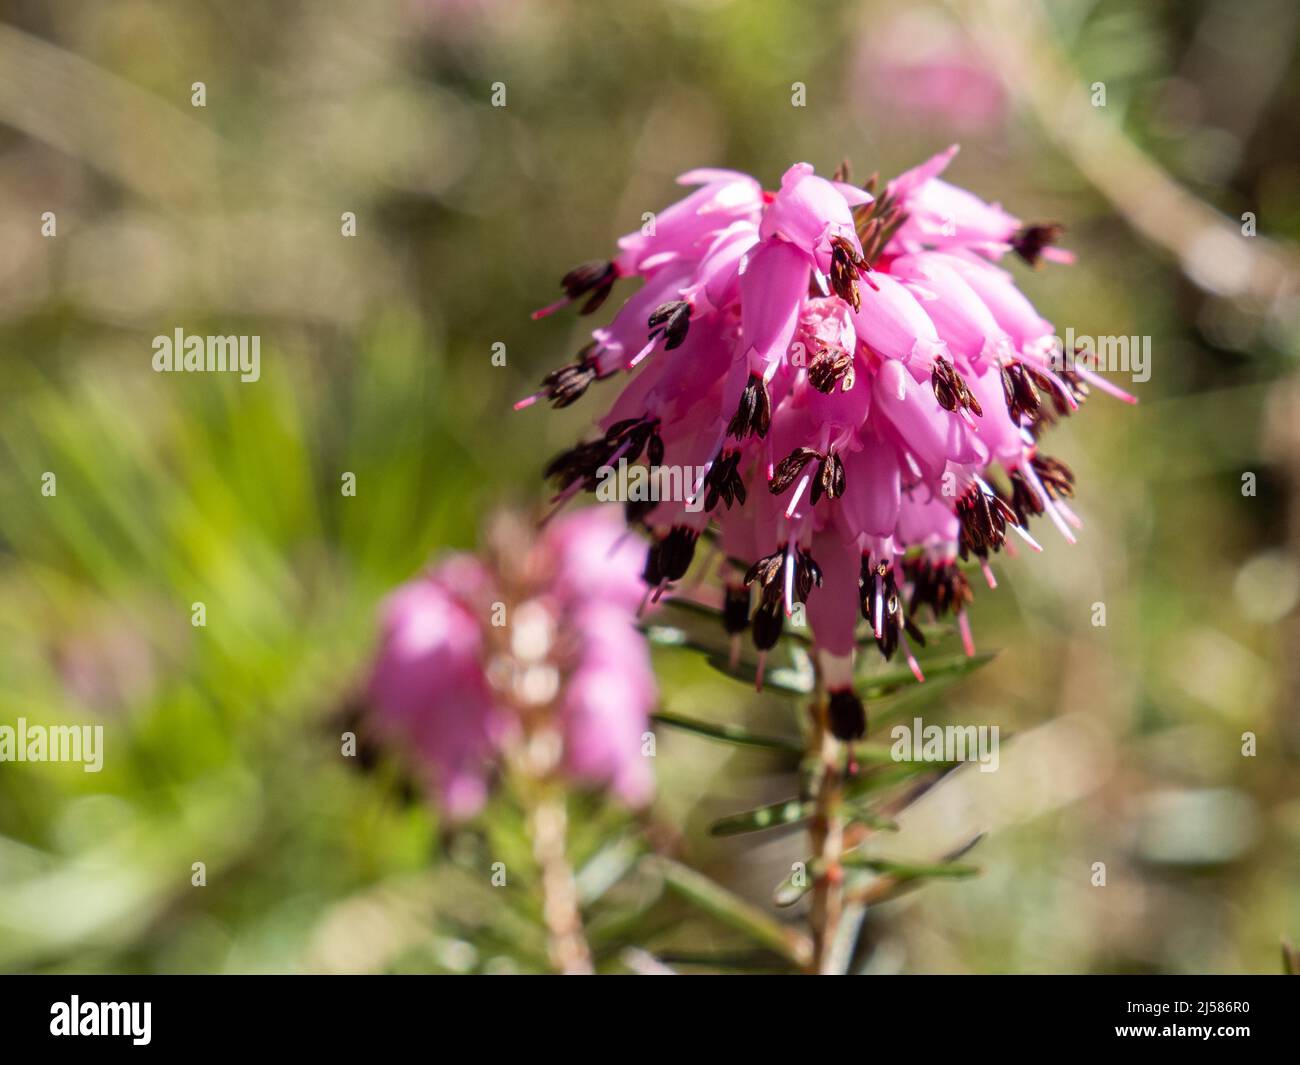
727	733
733	911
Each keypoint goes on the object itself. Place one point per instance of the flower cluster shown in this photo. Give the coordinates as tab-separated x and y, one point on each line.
528	655
847	368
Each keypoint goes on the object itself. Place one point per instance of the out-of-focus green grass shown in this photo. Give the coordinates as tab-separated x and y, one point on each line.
222	741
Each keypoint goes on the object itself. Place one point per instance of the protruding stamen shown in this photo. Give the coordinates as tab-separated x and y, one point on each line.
550	308
967	640
1024	535
672	321
754	414
1094	378
596	277
789	579
1029	242
785	472
637	359
912	663
1068	514
798	492
1027	468
722	475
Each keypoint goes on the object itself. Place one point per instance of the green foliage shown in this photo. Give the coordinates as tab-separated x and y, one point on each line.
223	741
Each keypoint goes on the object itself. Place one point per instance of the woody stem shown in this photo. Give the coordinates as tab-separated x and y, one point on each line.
566	940
826	832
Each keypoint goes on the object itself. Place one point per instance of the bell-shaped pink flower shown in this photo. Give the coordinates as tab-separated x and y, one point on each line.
685	229
811	213
771	291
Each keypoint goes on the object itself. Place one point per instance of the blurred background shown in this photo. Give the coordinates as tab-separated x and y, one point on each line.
222	742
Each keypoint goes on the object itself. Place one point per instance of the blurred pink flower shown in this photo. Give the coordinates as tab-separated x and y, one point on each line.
918	67
428	684
607	704
476	656
846	369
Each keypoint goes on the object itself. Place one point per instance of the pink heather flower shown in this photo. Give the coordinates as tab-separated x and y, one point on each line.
918	67
459	693
941	216
862	385
428	684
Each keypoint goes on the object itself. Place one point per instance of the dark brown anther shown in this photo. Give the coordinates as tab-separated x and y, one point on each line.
887	641
984	520
866	586
596	277
828	367
965	549
807	575
955	592
767	572
754	414
567	384
846	265
735	608
846	716
872	576
655	449
1024	500
830	478
724	481
768	622
943	390
1078	386
671	319
950	388
941	586
630	436
913	630
879	577
895	622
580	463
679	550
653	571
788	469
1030	241
670	556
1073	381
877	222
1020	391
635	511
1057	478
843	172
